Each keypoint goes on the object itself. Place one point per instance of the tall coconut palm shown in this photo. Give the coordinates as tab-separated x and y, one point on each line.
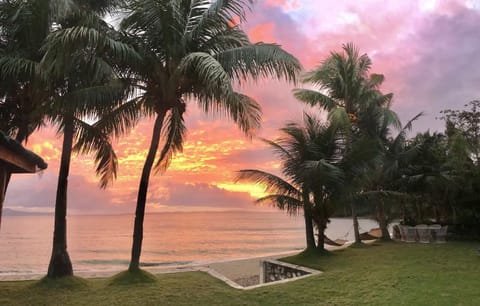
354	103
82	85
192	50
309	154
81	137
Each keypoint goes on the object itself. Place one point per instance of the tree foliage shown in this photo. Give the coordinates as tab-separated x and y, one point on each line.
309	155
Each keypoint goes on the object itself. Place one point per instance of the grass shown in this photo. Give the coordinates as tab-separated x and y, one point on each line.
378	274
127	278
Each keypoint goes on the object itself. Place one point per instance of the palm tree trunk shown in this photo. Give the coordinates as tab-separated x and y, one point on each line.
309	234
321	235
307	213
382	221
142	193
321	219
355	222
60	264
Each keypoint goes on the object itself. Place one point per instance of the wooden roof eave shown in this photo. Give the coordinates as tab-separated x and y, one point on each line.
17	163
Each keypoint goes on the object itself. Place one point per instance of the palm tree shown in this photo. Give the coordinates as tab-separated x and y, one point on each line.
384	180
431	174
192	51
23	94
309	154
284	195
354	103
81	137
65	89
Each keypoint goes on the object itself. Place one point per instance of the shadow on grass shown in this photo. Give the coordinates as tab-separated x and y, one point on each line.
378	242
358	245
132	277
386	240
67	282
310	256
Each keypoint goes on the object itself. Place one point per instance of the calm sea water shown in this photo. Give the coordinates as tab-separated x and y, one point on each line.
102	243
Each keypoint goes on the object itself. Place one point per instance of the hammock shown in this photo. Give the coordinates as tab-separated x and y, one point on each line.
373	234
336	242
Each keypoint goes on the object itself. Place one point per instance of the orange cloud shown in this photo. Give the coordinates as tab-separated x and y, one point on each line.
262	33
47	149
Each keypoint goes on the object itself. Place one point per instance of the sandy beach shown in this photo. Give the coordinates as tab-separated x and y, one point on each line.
243	271
246	272
232	269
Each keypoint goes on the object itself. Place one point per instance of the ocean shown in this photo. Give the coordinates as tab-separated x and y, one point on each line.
103	243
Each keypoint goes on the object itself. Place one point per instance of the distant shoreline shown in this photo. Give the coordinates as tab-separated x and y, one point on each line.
8	212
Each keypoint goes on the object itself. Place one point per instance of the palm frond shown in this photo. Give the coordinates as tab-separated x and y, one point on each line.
315	98
400	139
17	68
206	74
224	10
244	111
61	44
91	140
95	99
174	135
323	172
273	184
339	117
225	37
259	60
121	119
292	205
390	118
376	79
408	126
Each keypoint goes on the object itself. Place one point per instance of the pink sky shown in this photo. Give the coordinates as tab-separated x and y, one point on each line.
427	50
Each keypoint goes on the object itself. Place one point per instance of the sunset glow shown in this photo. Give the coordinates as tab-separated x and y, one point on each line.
424	48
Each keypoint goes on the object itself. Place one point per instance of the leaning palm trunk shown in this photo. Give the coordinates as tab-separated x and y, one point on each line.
142	193
60	264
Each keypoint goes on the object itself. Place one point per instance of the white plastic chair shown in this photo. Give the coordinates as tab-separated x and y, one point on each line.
424	233
441	234
410	234
433	228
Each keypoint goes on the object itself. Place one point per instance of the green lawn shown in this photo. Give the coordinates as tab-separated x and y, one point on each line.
379	274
